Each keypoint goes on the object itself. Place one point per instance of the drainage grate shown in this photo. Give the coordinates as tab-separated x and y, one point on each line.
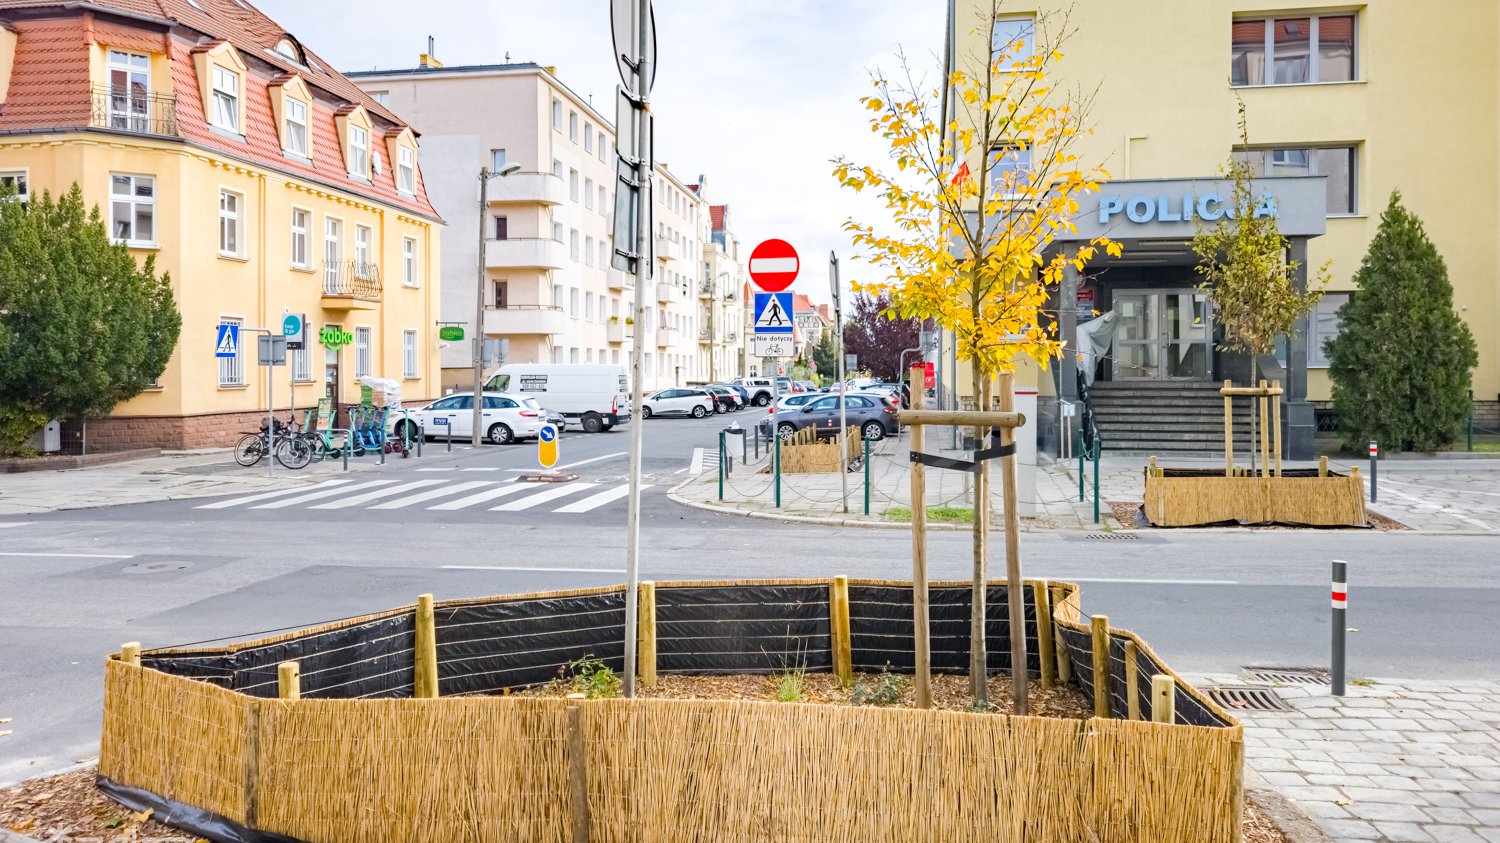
1288	675
1113	535
1248	698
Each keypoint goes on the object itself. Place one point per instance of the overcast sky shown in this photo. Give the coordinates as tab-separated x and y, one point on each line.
755	95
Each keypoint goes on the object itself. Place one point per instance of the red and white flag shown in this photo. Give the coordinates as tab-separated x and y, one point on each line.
962	175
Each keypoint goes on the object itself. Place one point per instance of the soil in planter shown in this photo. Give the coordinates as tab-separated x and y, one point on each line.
70	805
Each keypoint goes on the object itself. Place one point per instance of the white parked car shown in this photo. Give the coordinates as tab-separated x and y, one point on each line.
506	418
679	402
797	400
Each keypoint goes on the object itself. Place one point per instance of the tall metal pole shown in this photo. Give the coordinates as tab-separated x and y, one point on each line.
838	327
478	339
643	271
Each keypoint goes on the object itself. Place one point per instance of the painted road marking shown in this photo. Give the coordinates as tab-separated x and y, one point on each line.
599	499
74	555
8	524
576	464
326	493
522	568
345	503
488	495
433	494
264	496
542	497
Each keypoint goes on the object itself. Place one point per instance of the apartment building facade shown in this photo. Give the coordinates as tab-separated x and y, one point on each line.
549	289
260	178
721	335
1345	103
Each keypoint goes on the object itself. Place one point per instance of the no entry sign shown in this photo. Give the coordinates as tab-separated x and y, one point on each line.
774	265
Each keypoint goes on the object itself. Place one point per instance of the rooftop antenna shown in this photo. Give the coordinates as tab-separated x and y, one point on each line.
507	56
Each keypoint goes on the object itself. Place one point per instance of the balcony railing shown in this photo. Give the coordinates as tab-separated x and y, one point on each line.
525	319
731	295
705	289
731	337
133	110
351	279
705	335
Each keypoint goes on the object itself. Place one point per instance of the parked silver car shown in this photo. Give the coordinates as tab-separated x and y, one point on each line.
872	414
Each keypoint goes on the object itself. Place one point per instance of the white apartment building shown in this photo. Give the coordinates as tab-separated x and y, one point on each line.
549	289
721	342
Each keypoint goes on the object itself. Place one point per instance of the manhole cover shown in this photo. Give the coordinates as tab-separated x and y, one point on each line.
165	567
1112	536
1248	698
1289	675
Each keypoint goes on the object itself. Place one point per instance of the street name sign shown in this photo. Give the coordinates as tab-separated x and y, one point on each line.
774	265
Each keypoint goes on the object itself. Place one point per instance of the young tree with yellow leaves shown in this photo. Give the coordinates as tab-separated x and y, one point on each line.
976	208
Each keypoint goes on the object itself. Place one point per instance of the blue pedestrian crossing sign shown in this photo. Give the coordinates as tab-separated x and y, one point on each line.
773	313
228	343
546	445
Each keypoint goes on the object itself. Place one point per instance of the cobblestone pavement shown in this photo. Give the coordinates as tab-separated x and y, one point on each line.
1394	760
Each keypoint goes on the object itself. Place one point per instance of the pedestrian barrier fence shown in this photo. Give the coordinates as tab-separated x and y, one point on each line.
398	726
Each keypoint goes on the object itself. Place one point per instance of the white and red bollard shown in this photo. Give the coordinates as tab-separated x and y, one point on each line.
1340	606
1374	469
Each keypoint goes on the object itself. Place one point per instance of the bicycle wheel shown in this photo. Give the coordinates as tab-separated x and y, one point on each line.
251	450
315	446
293	452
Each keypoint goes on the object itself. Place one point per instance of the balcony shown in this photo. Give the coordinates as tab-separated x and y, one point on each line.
705	336
667	293
133	110
664	250
731	296
525	320
664	337
532	188
616	331
351	285
706	290
618	280
731	338
525	253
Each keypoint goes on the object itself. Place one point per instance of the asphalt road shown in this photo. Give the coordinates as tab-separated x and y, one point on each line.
77	584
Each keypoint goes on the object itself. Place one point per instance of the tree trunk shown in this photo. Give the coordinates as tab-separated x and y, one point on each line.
978	650
1015	589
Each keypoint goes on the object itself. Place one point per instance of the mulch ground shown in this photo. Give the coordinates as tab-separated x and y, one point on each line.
1131	517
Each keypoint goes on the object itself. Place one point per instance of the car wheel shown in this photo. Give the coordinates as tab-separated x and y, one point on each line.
499	434
762	400
719	408
592	423
785	430
606	427
873	431
698	411
645	412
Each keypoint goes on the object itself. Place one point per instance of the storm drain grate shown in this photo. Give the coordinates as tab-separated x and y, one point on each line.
1248	698
1115	536
1289	675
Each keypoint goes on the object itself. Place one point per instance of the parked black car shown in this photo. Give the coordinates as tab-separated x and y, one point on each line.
726	400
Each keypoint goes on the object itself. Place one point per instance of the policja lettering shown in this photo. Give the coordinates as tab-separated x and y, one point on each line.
1208	207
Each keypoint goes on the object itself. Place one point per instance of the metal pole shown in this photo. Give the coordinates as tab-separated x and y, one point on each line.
1471	420
838	327
776	434
721	465
270	415
478	338
1096	481
450	434
867	477
1374	469
643	272
1340	607
1081	455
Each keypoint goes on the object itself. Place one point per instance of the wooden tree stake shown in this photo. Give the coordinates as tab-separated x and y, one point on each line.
1132	680
1013	579
979	655
645	647
922	680
1229	431
1323	466
1276	425
1163	699
425	681
1099	625
289	681
838	627
1046	650
130	653
1265	447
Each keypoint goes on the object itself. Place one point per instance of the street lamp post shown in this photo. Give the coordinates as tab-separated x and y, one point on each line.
478	344
713	318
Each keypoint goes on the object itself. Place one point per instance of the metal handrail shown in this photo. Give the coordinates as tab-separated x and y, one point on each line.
358	279
131	110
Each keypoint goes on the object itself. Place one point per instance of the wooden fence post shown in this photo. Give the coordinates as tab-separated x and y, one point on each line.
289	681
645	646
1276	426
838	624
578	781
1265	443
1100	627
1132	680
425	679
922	680
1163	699
1064	661
1229	432
130	653
1046	650
1323	466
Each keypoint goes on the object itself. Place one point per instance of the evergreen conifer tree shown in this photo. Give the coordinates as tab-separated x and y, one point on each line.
1401	362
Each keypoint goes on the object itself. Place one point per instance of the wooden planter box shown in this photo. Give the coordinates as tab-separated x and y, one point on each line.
1183	497
806	453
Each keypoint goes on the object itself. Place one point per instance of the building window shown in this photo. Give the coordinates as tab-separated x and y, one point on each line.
1298	50
573	185
1335	162
573	244
588	251
1323	326
588	307
557	232
406	170
557	296
573	356
232	369
603	255
302	364
362	357
359	151
588	194
588	137
296	127
16	181
557	354
603	205
1014	41
557	168
1010	170
573	126
231	225
382	97
129	91
497	160
301	219
409	354
409	261
573	302
363	267
226	96
132	209
557	115
502	228
333	251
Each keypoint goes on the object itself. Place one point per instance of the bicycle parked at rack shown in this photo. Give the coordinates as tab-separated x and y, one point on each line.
289	449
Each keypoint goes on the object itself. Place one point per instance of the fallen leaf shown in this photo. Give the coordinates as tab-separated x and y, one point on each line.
113	822
4	732
143	816
4	719
24	826
1343	800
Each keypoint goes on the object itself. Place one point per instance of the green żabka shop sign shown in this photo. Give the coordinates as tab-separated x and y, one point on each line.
334	338
451	333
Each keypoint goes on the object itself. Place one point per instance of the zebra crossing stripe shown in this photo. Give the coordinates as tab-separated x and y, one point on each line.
540	498
599	499
400	503
7	524
481	497
326	493
345	503
265	496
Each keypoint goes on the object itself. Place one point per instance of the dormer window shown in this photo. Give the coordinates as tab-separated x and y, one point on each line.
288	50
226	100
296	127
406	170
359	151
129	91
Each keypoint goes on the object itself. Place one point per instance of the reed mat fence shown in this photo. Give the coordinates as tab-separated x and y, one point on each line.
805	452
1189	497
242	764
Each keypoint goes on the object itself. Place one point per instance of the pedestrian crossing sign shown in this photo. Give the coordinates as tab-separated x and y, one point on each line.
228	343
773	313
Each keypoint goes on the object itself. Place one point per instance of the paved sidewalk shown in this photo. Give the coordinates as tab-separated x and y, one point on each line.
1396	760
172	476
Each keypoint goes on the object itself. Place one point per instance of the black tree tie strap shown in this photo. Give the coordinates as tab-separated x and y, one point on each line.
995	451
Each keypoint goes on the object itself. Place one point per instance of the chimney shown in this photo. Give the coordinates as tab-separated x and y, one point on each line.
429	59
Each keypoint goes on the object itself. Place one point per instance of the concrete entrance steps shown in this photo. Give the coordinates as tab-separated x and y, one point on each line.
1184	418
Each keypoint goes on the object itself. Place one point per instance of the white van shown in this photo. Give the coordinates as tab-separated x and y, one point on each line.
595	398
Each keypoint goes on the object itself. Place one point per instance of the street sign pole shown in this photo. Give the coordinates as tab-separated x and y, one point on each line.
838	328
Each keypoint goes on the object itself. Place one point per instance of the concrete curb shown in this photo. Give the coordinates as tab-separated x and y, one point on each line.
1297	826
17	465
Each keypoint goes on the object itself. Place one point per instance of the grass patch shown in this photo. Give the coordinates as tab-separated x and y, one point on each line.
938	514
